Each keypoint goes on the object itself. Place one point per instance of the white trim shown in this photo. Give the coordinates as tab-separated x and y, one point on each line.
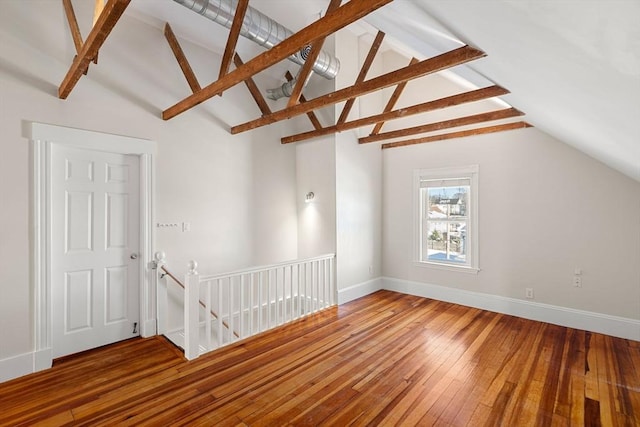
357	291
42	137
24	364
16	366
572	318
448	267
79	138
471	172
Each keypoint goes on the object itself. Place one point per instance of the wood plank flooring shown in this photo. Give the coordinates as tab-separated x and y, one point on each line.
385	359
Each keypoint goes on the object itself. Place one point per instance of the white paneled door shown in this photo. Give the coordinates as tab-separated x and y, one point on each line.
95	213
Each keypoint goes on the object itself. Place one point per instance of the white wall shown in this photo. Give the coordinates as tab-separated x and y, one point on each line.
358	176
315	172
238	192
544	209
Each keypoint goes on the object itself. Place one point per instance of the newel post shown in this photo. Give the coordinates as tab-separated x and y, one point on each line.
161	291
191	312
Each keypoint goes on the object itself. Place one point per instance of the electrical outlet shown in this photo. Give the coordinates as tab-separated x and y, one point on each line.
371	270
529	293
577	281
186	226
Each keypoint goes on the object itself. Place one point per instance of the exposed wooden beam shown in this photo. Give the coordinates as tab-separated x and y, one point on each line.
460	134
431	65
450	101
307	67
330	23
312	115
253	88
99	33
392	100
97	10
73	25
446	124
181	58
75	29
373	50
234	33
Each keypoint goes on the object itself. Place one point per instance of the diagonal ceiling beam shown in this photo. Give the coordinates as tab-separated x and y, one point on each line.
253	89
392	100
307	67
375	46
97	11
181	58
441	62
460	134
99	33
450	101
73	25
98	7
75	30
330	23
446	124
312	115
234	33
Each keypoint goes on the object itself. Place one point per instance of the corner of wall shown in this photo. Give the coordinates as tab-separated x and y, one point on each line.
360	290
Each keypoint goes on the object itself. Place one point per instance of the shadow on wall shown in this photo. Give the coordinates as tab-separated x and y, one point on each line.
27	78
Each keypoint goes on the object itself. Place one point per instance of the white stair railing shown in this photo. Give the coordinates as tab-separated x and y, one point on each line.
223	308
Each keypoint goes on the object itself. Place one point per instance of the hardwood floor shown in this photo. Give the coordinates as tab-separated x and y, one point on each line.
385	359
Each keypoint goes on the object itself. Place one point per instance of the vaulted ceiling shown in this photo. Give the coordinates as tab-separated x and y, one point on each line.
573	66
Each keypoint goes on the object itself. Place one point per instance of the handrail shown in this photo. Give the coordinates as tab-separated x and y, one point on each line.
262	268
175	279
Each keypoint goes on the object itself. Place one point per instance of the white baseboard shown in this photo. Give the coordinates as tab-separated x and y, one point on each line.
25	364
359	290
578	319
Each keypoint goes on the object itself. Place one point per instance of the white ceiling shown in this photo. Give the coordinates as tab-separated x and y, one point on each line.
572	65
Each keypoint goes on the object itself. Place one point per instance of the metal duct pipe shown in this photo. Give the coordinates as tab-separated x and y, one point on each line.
262	30
286	89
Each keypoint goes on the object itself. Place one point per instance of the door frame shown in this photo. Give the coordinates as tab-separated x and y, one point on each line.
42	137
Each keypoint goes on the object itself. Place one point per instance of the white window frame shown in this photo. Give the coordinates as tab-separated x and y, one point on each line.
461	172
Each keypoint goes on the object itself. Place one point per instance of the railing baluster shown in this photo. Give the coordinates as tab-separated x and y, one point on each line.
290	312
307	287
220	314
277	298
269	299
299	291
315	286
325	293
209	317
328	283
321	285
230	309
250	304
260	303
242	292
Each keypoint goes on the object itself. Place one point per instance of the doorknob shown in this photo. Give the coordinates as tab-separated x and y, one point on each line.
133	256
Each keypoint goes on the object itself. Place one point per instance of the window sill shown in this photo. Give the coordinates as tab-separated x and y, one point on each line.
447	267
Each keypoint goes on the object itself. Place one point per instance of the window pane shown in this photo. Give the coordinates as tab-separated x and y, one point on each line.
447	202
446	241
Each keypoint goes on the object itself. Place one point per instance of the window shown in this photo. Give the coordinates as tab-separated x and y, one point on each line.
446	219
